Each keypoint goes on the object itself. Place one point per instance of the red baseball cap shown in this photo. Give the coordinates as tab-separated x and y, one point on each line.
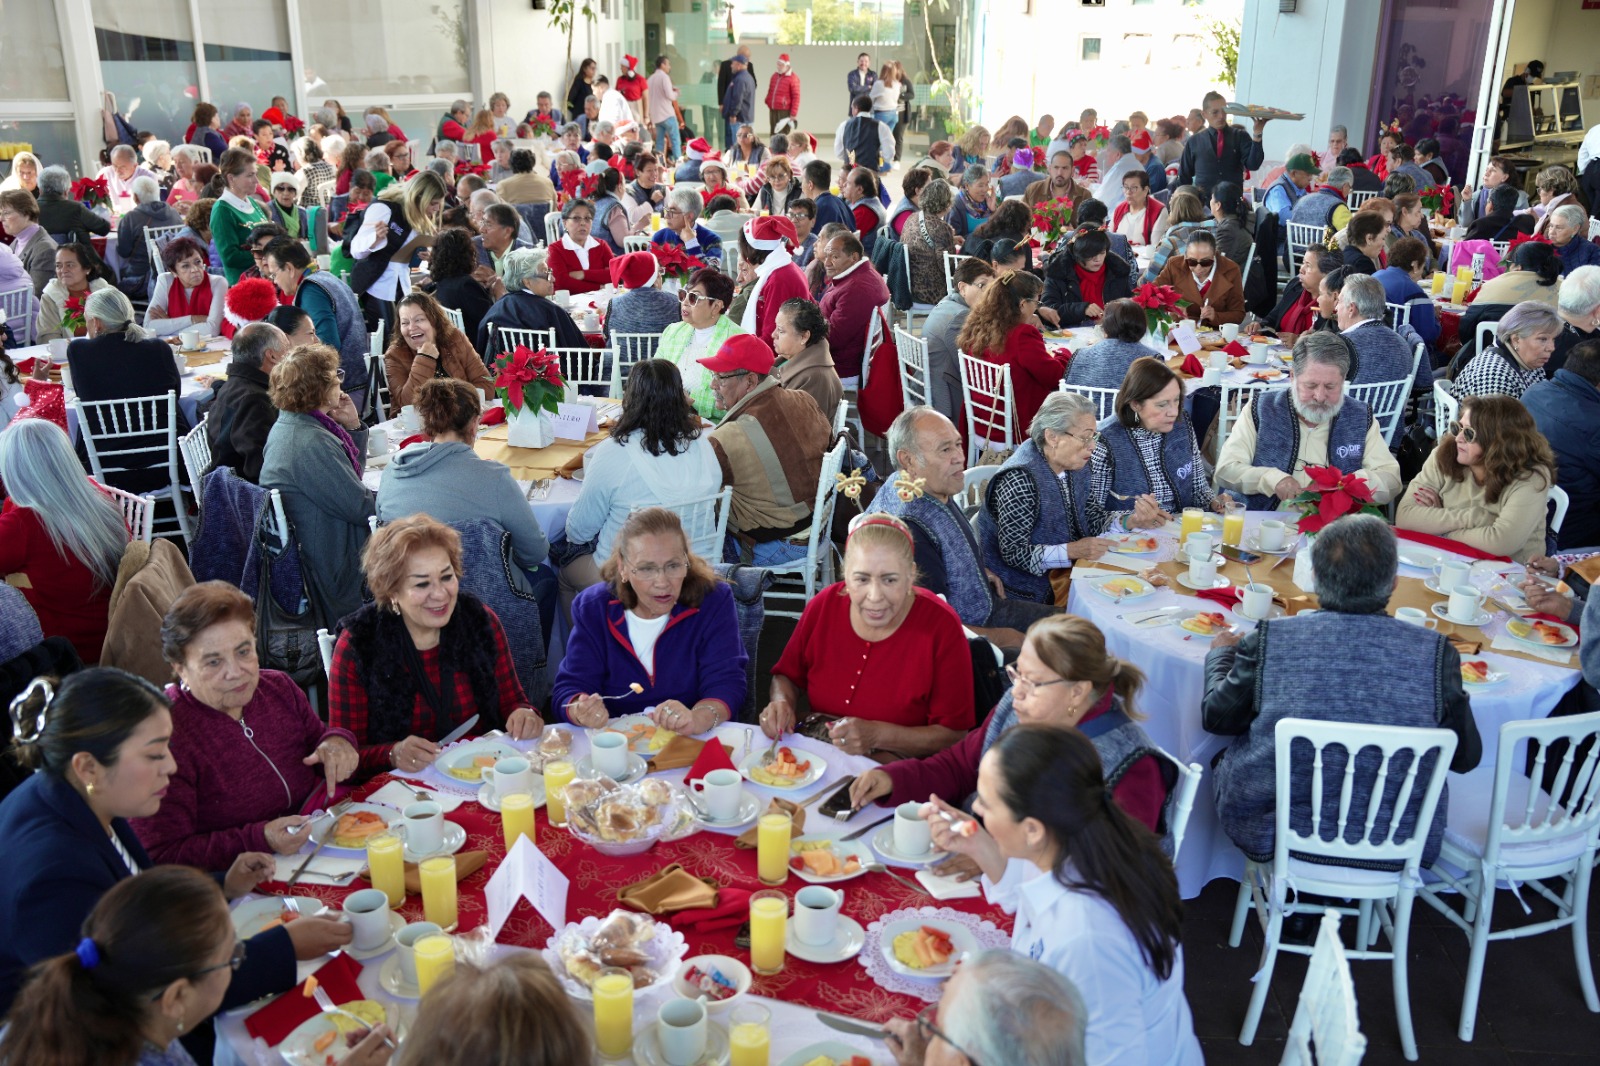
742	351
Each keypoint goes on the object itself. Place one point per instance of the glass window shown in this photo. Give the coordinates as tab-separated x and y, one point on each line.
1429	74
31	66
55	143
1136	49
147	62
823	22
1091	48
247	53
356	47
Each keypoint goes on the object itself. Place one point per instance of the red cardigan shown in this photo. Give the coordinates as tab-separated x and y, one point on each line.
564	262
785	283
1035	373
63	592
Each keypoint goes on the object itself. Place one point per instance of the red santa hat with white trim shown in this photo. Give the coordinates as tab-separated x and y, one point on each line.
768	233
636	270
699	149
631	63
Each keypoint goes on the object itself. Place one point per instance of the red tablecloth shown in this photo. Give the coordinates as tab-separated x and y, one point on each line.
843	987
1449	332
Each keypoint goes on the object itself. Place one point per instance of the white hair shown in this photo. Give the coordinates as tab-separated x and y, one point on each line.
377	154
686	200
146	189
1580	290
1011	1009
1058	413
1364	293
112	308
42	473
376	123
520	264
333	146
1572	215
124	151
154	150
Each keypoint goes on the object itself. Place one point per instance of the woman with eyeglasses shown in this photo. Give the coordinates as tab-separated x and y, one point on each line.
660	619
1003	328
1487	481
527	304
681	216
703	301
1147	466
1094	895
579	261
334	310
185	294
99	743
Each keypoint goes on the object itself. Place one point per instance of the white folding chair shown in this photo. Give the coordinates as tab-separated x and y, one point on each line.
974	485
951	261
138	511
584	367
798	581
1104	399
375	340
1231	403
1559	498
508	340
636	242
454	316
117	433
1447	408
1358	197
1594	228
1500	249
912	355
1487	333
156	238
916	308
196	448
1386	400
1519	834
841	417
19	304
1341	868
1399	314
705	521
992	427
325	644
1182	798
1300	237
552	228
1326	1015
627	350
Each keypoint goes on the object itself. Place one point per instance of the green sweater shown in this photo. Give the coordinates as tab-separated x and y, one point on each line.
674	348
230	232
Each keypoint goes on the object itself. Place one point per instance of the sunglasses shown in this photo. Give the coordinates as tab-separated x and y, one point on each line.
1203	264
691	297
1463	433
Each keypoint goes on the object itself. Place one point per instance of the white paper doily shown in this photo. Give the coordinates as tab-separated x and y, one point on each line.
666	950
872	960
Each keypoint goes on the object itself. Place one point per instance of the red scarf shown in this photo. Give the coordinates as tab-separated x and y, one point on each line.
1297	319
1091	285
181	304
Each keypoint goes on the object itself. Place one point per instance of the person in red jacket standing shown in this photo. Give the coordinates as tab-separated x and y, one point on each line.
633	89
766	242
783	94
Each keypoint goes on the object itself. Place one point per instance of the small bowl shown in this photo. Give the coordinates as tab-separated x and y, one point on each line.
631	847
727	965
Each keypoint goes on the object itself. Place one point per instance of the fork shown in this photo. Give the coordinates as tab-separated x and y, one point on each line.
325	1001
880	868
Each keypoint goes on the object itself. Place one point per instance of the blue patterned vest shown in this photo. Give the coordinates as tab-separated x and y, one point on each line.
1317	208
1278	437
354	342
1129	477
966	588
1054	524
1319	666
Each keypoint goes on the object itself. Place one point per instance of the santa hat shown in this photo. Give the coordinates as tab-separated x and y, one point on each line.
631	63
699	149
784	59
250	300
769	232
288	177
1141	141
273	115
636	270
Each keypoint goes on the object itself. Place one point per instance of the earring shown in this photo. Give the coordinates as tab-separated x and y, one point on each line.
89	787
180	1025
394	605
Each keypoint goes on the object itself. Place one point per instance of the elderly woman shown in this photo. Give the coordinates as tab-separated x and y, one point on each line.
974	203
58	212
1411	220
682	218
132	247
703	302
1556	187
640	305
185	295
565	162
376	162
971	149
579	261
427	345
500	167
747	148
527	303
423	656
1079	285
446	479
25	168
79	273
927	237
911	186
1211	283
352	159
1104	364
185	189
1227	211
655	456
882	661
611	223
513	1010
1525	340
1486	482
781	188
58	530
1035	516
715	176
237	212
1148	455
204	130
316	170
1533	272
34	248
661	620
1185	214
1568	229
251	753
1002	329
800	341
315	455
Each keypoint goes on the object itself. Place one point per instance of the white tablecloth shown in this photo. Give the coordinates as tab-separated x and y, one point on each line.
1173	661
189	397
1080	337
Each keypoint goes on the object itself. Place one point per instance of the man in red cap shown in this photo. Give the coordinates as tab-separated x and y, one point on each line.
783	94
1144	150
766	242
770	446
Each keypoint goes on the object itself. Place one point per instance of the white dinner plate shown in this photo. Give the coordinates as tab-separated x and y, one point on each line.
813	774
1420	558
842	849
254	916
1135	544
1567	632
961	939
1494	678
1133	588
848	939
323	822
459	757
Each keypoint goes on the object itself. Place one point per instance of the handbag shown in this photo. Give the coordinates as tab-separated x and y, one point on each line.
880	401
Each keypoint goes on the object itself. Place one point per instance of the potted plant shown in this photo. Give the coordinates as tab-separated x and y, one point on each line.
542	126
94	194
1331	495
675	264
1162	304
72	319
532	387
1052	222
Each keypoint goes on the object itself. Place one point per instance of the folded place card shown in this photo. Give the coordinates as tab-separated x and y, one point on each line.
574	421
526	873
398	796
1188	341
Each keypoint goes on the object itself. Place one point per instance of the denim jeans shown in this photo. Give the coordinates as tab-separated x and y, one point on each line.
766	553
667	130
730	133
888	118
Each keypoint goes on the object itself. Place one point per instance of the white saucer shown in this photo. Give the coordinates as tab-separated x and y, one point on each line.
749	807
1256	547
494	804
637	768
393	980
1219	582
848	940
1442	612
396	923
647	1046
1273	611
455	838
883	844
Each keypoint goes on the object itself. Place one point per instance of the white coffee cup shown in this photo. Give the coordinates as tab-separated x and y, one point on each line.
1260	352
510	776
608	751
912	835
377	443
721	790
1218	361
423	827
681	1030
1202	571
409	417
58	349
1229	331
563	297
816	914
406	943
1451	574
1270	535
1257	601
1465	602
1199	546
190	339
367	911
1416	616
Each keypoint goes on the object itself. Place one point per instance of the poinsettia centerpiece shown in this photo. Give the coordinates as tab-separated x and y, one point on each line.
1332	495
528	379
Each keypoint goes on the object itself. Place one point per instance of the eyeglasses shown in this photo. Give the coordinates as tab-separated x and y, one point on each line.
1089	441
1463	433
1203	264
259	253
580	218
1024	686
234	962
731	374
650	571
928	1030
690	297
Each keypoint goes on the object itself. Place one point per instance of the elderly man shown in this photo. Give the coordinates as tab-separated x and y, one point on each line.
1209	280
526	185
1567	409
1285	194
1312	423
544	107
1349	662
1578	304
120	175
1378	353
453	124
481	200
930	460
1328	206
770	445
242	414
862	140
1338	141
1000	1007
497	235
1062	181
1118	162
135	270
854	293
1568	229
61	215
739	101
1220	152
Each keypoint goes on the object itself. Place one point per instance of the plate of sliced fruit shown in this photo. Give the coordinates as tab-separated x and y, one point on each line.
461	766
1134	544
256	916
1205	623
821	859
1541	634
359	823
644	736
788	768
1118	589
1478	674
925	948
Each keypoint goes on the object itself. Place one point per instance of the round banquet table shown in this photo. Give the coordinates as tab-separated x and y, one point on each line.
205	371
1173	661
793	995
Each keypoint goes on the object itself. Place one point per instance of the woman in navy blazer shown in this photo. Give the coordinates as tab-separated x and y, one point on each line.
99	749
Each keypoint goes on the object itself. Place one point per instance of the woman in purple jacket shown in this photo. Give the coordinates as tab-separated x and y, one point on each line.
661	620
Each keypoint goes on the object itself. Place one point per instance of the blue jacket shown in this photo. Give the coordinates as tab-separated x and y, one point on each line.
62	863
1398	288
740	103
710	245
1567	409
698	656
1580	251
1281	200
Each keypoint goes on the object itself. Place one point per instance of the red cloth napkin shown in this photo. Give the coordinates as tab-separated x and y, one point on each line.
1235	349
493	416
25	365
1193	366
1228	597
733	907
1448	545
415	438
289	1011
712	757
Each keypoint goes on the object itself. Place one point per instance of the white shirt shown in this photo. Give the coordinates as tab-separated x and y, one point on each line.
1135	1019
396	277
885	141
643	634
615	110
1589	150
581	250
1110	189
1132	224
1236	467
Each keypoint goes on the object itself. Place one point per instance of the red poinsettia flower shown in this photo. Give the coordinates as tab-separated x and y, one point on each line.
1325	478
291	124
542	126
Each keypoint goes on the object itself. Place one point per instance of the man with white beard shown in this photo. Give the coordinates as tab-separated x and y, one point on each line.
1281	432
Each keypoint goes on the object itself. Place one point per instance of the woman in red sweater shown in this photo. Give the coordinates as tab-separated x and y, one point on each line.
62	534
578	261
1003	329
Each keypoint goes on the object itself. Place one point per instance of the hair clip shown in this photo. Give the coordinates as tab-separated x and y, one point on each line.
19	707
909	488
88	953
852	483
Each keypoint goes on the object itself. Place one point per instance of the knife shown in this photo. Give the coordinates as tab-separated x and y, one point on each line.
458	732
338	809
870	825
845	1025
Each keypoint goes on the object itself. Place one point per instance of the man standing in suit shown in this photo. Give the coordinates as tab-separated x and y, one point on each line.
861	79
1220	151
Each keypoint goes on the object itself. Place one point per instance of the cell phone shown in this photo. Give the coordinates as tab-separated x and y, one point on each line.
1239	555
839	802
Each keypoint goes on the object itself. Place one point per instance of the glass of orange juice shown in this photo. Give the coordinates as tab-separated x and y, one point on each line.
436	960
773	833
750	1034
1233	523
769	919
557	776
386	867
1194	520
613	1012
